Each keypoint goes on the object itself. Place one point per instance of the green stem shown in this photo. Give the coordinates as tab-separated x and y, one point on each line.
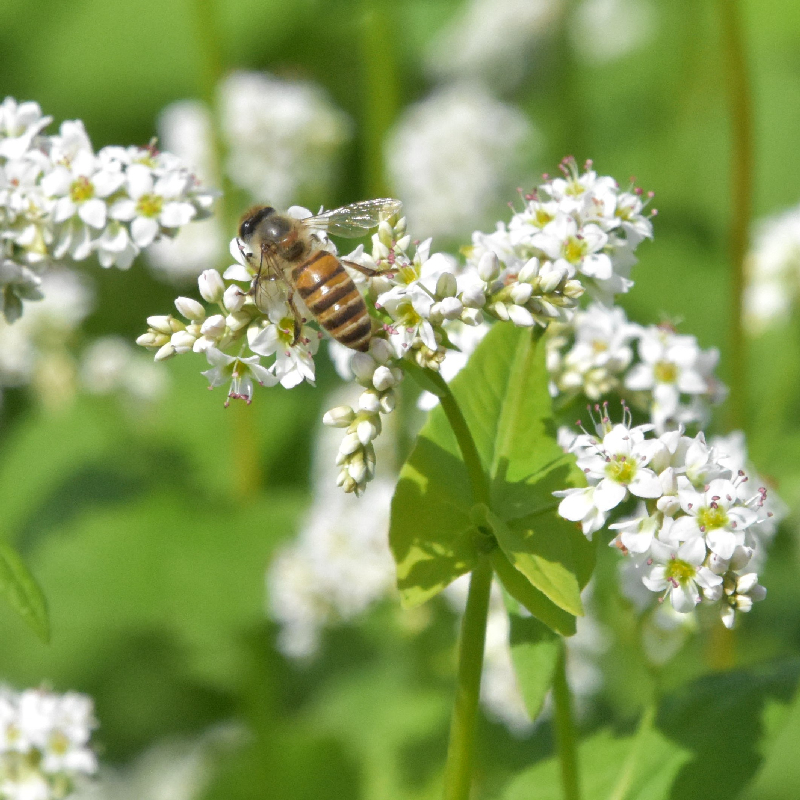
477	478
628	770
381	90
565	729
742	180
460	751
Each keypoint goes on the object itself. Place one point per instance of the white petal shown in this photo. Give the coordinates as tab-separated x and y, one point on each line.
93	212
577	504
144	230
609	494
645	483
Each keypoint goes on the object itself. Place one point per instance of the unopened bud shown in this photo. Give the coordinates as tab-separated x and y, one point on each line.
349	444
167	351
152	339
380	350
213	327
383	379
474	297
165	323
388	402
367	430
529	270
363	367
472	316
370	401
451	307
500	311
233	298
190	309
521	293
182	341
403	243
339	417
488	267
238	320
520	316
211	286
446	285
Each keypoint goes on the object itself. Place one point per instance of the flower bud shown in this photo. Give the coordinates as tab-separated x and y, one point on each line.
202	344
357	469
388	401
152	339
367	430
573	289
370	401
339	417
349	444
363	367
233	298
550	279
488	266
167	351
520	316
238	320
521	293
529	270
472	316
500	311
164	323
380	350
474	297
213	327
446	286
403	243
383	379
211	286
451	308
190	309
182	341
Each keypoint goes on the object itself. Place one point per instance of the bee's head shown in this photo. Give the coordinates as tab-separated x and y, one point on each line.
264	220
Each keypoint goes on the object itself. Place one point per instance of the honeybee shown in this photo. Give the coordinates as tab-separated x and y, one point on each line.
286	249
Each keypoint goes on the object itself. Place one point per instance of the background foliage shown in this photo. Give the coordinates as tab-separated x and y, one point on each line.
151	539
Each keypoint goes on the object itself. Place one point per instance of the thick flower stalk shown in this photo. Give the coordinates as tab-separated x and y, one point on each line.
697	527
44	743
60	200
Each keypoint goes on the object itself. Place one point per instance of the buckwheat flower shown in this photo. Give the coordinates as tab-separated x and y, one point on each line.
44	743
492	40
738	595
607	30
731	454
454	156
240	372
679	573
282	136
637	533
773	267
670	367
600	352
294	359
715	516
20	123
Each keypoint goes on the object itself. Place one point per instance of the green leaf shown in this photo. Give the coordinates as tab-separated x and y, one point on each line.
521	589
534	651
503	395
431	534
23	592
544	555
600	759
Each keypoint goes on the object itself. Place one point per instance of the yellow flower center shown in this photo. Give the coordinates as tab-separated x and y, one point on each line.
574	189
599	346
81	190
621	469
709	518
59	743
680	571
542	217
574	250
665	372
149	205
408	274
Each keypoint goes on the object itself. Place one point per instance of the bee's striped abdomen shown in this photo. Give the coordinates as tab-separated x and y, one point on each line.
332	297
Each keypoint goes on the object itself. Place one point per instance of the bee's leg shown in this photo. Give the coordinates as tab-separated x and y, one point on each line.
298	320
368	271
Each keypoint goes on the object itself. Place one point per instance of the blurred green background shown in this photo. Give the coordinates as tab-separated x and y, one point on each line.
150	533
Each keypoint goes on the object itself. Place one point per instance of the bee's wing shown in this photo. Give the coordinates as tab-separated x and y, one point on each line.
352	221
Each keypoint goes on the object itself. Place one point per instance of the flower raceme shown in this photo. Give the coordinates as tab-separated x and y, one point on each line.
61	200
696	530
529	273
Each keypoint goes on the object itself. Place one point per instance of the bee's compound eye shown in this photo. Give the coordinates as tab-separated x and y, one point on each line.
248	225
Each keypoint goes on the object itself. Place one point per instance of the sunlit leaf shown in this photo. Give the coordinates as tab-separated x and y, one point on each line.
22	592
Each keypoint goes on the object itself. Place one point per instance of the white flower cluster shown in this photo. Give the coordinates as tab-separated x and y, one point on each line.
698	524
281	135
580	225
59	199
453	157
44	743
670	377
773	267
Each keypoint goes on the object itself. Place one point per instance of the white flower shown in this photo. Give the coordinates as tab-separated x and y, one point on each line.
714	515
282	135
294	360
680	573
454	156
240	372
